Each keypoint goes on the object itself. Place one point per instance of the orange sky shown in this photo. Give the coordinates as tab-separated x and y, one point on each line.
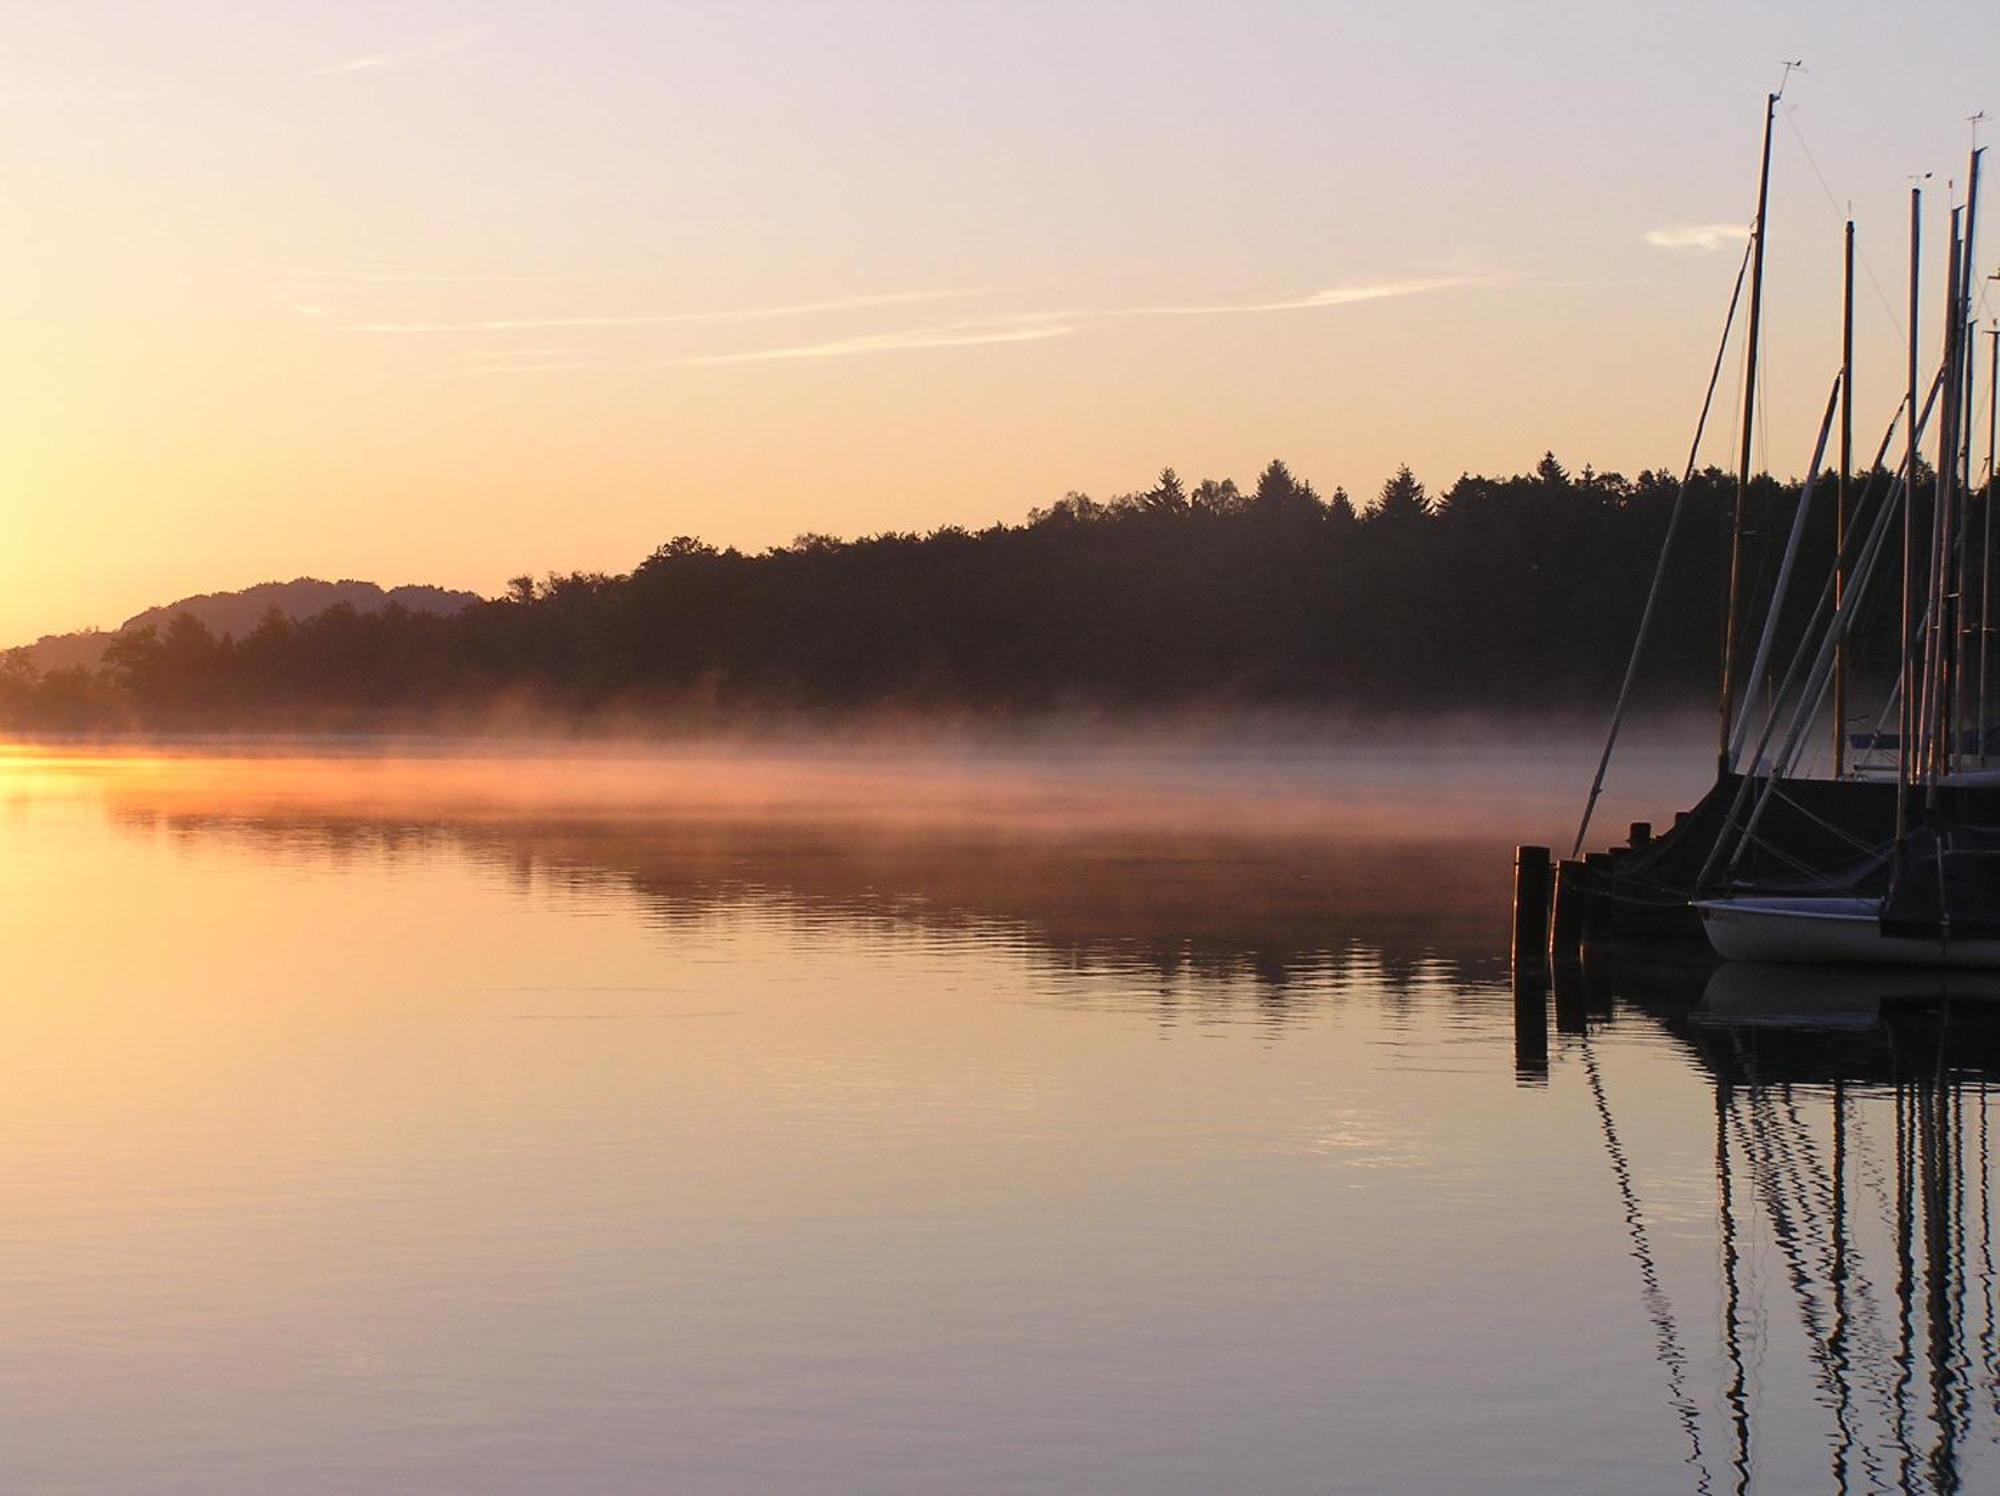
443	292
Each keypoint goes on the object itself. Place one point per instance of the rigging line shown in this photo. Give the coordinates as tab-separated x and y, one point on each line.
1840	832
1779	854
1799	1143
1865	1340
1660	566
1777	1173
1789	1141
1764	515
1844	213
1867	1313
1790	117
1889	705
1870	757
1836	633
1652	1291
1767	1174
1781	585
1815	686
1868	1166
1763	431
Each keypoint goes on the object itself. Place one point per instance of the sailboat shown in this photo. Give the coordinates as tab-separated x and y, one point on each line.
1868	866
1835	931
1932	896
1935	901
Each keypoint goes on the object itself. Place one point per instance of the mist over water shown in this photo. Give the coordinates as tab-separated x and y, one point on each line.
916	1115
1450	777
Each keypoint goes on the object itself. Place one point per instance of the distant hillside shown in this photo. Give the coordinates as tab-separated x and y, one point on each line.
238	613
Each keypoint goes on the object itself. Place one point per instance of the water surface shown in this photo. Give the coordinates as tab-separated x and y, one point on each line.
882	1123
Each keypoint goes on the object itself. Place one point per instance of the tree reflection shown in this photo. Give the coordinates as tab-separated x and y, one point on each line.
1183	915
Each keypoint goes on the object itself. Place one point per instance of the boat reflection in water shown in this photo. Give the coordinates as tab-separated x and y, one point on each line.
1852	1161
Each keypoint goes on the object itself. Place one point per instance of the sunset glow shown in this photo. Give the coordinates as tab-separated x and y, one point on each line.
442	291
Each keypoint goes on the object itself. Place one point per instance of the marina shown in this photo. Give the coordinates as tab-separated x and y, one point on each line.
1892	854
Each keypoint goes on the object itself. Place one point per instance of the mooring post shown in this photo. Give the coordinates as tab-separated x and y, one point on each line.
1566	919
1532	879
1531	910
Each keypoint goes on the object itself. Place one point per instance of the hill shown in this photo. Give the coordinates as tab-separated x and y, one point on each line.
239	613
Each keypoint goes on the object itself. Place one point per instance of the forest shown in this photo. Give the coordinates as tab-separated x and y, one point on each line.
1517	593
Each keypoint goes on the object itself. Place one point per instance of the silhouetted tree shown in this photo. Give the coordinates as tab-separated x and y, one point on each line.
1213	497
1402	502
1166	496
1519	590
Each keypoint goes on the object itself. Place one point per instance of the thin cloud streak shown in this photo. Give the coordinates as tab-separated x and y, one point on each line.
948	335
661	319
417	278
1028	327
500	355
375	62
1696	238
1332	296
378	62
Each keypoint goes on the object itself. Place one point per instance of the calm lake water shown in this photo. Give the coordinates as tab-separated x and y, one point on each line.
1037	1121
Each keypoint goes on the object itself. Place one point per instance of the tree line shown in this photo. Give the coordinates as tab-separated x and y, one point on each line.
1498	593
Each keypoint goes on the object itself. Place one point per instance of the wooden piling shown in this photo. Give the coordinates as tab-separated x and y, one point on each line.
1531	908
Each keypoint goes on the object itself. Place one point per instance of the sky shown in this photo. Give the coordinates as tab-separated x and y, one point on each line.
448	290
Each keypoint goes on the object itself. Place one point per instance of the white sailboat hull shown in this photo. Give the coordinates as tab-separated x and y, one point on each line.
1827	932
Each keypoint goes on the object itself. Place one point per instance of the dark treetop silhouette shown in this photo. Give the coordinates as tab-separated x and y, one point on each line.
1496	593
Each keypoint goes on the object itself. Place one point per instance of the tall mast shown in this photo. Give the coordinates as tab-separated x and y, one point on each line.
1728	712
1968	325
1986	534
1840	499
1906	713
1963	329
1936	734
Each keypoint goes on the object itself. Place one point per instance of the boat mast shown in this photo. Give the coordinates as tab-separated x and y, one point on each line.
1935	736
1728	711
1986	533
1840	500
1963	329
1906	715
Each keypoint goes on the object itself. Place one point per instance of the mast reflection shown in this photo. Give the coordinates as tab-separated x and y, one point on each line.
1853	1211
